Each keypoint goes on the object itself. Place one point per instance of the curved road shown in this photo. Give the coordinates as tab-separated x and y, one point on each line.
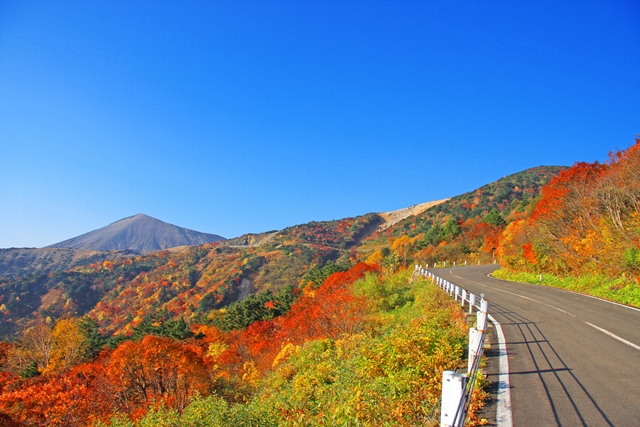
573	360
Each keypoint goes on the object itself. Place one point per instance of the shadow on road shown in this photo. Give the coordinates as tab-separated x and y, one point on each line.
553	386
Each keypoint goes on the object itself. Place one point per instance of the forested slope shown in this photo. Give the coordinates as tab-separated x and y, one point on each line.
584	233
216	329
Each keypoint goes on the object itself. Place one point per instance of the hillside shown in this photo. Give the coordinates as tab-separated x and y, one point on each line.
140	233
465	228
17	262
292	310
510	195
584	233
394	217
185	283
192	282
363	344
197	280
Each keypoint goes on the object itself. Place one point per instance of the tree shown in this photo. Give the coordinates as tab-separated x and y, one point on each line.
70	344
375	258
33	351
432	237
494	218
157	368
451	229
95	341
403	245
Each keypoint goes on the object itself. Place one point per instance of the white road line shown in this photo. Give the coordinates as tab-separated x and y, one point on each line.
504	417
516	295
604	331
567	291
614	336
604	300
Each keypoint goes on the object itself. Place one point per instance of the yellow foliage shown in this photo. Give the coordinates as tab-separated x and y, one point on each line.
285	353
309	291
69	345
250	374
375	258
215	349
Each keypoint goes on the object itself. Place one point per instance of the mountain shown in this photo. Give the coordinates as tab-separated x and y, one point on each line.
511	196
140	233
193	282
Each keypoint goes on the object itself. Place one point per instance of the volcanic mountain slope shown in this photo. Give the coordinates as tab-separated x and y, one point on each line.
140	233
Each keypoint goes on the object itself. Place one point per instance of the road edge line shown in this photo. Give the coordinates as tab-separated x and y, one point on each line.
619	304
504	417
614	336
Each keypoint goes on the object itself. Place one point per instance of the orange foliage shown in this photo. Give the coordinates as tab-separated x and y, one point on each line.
156	369
76	398
129	379
329	312
586	221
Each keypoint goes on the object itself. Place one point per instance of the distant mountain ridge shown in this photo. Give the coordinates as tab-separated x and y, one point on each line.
190	281
140	233
18	262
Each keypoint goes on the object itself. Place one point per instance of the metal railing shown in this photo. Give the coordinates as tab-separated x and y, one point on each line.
458	387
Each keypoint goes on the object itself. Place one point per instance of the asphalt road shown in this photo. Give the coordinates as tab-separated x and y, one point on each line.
573	360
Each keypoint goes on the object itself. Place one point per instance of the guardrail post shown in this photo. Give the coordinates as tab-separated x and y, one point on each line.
481	316
475	337
456	389
452	398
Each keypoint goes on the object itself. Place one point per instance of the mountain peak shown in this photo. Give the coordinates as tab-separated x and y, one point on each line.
141	233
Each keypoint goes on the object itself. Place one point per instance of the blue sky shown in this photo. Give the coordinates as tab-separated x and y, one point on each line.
248	116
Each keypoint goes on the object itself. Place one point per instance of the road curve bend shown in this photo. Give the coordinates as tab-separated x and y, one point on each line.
574	360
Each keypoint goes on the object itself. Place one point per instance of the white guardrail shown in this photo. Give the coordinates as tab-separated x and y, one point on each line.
457	387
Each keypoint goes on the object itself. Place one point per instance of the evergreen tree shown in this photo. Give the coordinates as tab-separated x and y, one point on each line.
494	218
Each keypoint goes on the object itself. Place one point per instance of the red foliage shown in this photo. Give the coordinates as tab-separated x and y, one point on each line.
554	194
528	253
78	397
136	374
329	312
156	369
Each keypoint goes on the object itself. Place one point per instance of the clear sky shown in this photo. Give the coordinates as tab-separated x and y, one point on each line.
248	116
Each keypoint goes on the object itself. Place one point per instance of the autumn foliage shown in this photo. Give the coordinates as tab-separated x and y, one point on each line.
587	221
341	339
140	374
293	331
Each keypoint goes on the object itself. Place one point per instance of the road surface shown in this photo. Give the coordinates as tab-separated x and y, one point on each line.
573	360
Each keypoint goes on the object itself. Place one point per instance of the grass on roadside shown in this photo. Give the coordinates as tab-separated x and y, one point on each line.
623	290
